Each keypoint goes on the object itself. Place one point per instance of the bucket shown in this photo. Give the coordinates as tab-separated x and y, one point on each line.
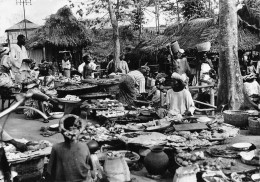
236	118
175	47
254	125
116	169
205	46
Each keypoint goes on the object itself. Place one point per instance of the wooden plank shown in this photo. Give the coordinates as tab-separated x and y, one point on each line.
190	127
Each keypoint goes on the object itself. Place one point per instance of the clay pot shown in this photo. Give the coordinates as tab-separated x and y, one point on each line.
156	161
93	146
205	46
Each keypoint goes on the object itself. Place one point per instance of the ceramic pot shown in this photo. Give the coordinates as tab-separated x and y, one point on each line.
156	161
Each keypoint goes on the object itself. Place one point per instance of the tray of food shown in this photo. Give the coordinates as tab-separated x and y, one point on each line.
223	151
70	99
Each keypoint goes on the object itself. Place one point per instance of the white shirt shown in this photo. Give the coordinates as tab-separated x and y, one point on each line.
66	64
179	102
252	88
139	80
17	55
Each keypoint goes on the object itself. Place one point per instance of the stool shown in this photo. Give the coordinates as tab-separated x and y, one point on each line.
10	98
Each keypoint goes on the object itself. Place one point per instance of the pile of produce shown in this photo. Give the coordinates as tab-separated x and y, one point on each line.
185	159
35	148
99	133
101	81
71	98
75	86
103	104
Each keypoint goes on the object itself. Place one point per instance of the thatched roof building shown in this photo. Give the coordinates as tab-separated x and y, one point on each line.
61	29
195	31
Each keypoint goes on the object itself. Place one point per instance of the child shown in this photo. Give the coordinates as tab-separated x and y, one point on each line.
69	160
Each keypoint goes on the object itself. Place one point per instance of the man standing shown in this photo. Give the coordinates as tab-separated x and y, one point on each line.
18	53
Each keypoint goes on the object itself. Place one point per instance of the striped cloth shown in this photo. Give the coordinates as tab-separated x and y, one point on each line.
139	79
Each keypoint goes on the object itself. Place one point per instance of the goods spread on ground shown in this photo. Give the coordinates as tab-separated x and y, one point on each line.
103	104
149	126
35	148
70	98
99	133
101	81
111	113
70	86
192	140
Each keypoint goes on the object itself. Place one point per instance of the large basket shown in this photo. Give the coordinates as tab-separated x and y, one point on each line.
205	46
254	126
29	170
236	118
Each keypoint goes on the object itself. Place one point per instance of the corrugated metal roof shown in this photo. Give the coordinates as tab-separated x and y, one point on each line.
21	25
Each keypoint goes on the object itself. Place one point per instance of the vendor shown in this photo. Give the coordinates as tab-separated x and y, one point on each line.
132	84
111	64
154	95
5	70
123	66
179	99
252	88
18	53
66	66
87	68
8	139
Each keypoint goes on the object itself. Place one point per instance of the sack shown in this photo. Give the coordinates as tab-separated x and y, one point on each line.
5	80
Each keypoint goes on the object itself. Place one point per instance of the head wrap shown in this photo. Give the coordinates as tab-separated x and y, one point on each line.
146	68
177	76
181	51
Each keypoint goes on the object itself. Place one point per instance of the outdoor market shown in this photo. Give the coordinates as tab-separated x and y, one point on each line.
128	103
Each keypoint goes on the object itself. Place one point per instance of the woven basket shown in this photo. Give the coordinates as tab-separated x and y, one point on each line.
205	46
236	118
58	84
29	169
253	126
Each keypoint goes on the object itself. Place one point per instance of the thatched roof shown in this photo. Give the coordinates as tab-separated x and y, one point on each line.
21	26
61	29
201	30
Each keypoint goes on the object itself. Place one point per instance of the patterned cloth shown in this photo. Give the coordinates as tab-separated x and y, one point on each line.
127	92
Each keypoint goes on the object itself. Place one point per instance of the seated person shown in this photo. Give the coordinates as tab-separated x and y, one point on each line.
154	94
8	139
252	88
178	99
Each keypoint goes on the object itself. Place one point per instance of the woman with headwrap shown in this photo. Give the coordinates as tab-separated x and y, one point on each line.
132	84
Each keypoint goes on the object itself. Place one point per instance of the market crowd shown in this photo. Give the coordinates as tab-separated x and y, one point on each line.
21	74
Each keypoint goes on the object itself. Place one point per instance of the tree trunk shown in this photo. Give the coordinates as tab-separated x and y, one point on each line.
230	79
114	23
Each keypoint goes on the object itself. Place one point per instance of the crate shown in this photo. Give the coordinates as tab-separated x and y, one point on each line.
29	170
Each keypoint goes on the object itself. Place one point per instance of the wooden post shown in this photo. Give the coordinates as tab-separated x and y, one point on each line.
212	99
44	53
162	98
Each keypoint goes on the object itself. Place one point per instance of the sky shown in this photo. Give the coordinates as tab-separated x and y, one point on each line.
12	13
